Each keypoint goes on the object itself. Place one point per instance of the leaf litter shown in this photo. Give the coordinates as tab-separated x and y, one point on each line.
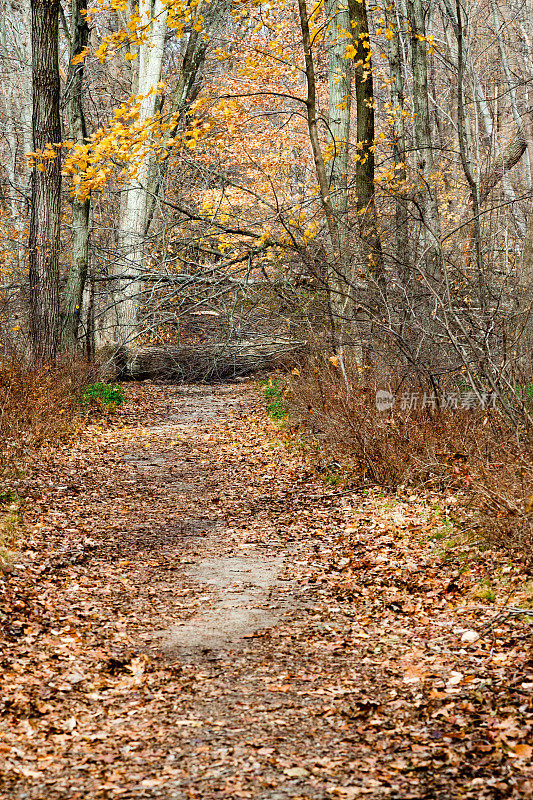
383	671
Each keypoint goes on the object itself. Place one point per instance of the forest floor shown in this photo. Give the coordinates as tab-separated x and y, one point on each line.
195	613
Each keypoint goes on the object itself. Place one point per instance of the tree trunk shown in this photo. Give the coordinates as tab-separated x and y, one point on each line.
466	154
184	94
332	239
502	163
339	106
364	170
511	84
72	300
428	202
401	220
343	267
133	223
341	288
44	239
15	48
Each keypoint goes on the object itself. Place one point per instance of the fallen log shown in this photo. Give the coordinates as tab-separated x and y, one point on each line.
204	361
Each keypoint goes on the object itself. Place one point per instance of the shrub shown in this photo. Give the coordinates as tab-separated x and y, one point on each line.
273	393
10	529
103	394
38	406
476	452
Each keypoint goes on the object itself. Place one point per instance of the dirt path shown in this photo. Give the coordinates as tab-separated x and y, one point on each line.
199	616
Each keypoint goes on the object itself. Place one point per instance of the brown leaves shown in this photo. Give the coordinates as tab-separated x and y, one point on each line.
367	686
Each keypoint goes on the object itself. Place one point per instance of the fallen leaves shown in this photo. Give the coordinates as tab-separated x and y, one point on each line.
469	637
385	676
296	772
414	674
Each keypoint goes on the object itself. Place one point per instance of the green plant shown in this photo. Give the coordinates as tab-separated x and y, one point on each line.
8	496
276	407
438	535
332	479
486	591
103	394
525	393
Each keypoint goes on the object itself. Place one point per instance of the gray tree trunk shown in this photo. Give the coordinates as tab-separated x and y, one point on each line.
364	168
79	261
430	234
44	239
397	90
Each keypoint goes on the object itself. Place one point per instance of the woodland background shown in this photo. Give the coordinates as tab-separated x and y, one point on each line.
367	168
339	195
199	189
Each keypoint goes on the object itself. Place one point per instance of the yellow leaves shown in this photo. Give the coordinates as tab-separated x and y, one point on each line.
220	54
386	175
38	158
137	29
311	231
80	58
317	8
430	40
120	149
198	24
264	237
350	51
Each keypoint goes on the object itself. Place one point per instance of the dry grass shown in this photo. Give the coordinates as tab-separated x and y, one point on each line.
473	452
37	407
11	529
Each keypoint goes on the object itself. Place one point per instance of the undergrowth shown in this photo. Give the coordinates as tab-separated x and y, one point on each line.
10	529
38	407
276	406
104	395
472	451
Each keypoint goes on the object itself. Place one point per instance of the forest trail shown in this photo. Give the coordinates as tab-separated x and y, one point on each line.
198	615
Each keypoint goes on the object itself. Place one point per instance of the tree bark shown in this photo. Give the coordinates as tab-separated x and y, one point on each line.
184	94
339	107
79	261
365	167
397	91
428	200
466	155
341	287
44	239
511	85
133	223
502	163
